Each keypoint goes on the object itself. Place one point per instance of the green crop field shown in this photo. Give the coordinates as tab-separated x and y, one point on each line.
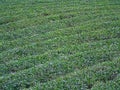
59	44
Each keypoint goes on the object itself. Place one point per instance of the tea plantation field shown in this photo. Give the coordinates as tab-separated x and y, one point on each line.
59	44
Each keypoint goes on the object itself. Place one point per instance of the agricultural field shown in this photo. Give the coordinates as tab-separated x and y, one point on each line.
59	44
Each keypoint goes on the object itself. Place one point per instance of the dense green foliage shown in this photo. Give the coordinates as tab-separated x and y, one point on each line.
60	44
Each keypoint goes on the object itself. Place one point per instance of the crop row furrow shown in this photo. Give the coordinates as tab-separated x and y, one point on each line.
37	37
110	84
16	8
52	70
56	43
14	66
39	13
37	20
27	32
32	16
84	78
